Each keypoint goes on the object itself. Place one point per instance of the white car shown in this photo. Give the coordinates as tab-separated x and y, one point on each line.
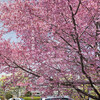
57	98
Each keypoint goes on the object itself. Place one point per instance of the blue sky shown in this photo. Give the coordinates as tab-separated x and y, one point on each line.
10	35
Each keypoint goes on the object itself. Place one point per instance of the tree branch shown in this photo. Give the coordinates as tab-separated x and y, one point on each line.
77	7
81	56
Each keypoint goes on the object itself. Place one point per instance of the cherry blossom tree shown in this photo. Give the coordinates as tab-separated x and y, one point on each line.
60	43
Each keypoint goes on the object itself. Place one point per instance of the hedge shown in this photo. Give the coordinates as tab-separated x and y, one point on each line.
30	98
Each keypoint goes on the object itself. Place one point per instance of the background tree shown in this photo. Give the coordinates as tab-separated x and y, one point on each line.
28	94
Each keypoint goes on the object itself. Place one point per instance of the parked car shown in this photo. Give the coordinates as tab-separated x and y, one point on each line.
21	99
57	98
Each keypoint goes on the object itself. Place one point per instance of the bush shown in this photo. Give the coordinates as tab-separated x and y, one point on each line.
27	98
8	95
28	94
36	98
30	98
1	97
